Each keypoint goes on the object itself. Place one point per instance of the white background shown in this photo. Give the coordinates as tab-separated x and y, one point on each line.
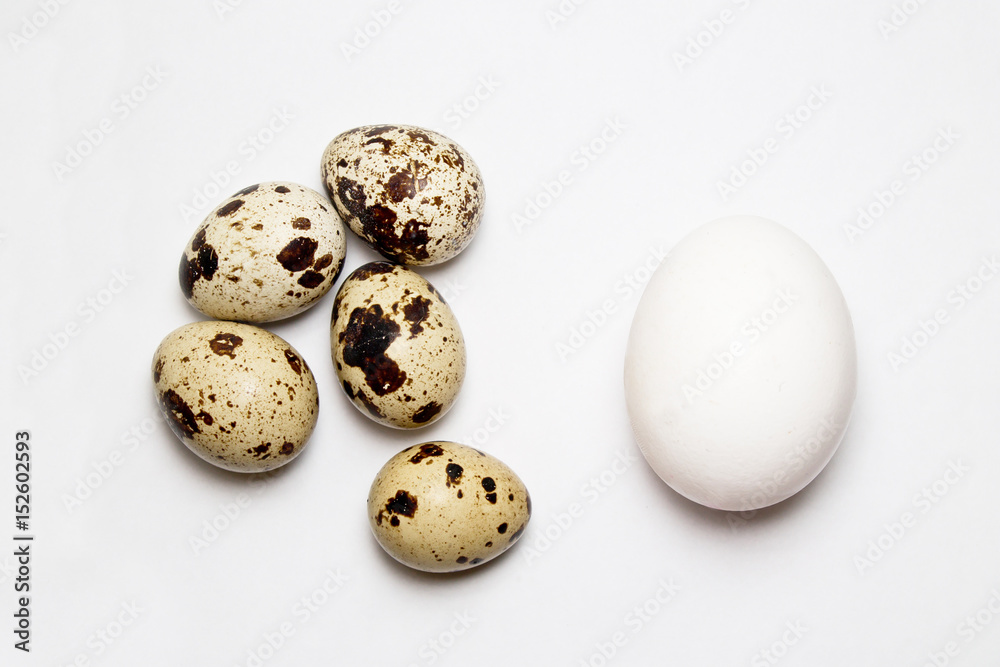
572	583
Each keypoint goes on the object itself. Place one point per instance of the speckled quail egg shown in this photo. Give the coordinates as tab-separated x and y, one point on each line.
412	194
442	507
396	345
266	253
239	397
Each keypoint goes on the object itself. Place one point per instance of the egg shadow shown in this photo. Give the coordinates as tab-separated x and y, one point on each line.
415	576
763	519
376	431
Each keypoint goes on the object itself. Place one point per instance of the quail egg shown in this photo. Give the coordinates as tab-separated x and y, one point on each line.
239	397
413	195
396	345
443	507
266	253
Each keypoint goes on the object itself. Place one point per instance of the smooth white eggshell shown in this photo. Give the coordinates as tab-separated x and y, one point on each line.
741	369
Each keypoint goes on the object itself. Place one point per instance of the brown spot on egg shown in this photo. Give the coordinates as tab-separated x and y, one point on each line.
247	190
412	242
208	260
426	450
386	143
378	224
301	223
182	420
366	271
311	279
376	130
489	484
394	521
287	448
426	413
294	361
260	451
405	184
229	208
205	418
199	239
459	160
282	189
461	560
415	312
188	273
157	370
402	503
454	472
298	254
366	338
323	262
225	344
517	534
418	136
